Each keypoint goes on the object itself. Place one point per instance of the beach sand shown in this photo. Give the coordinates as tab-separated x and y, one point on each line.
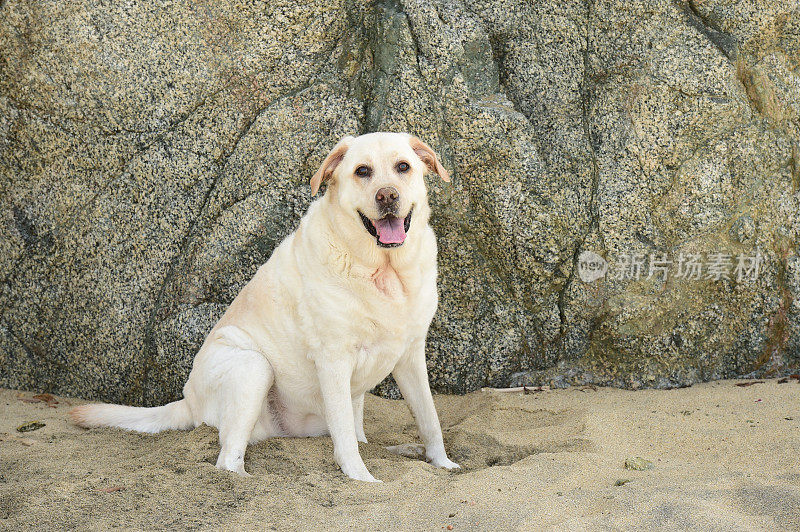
724	457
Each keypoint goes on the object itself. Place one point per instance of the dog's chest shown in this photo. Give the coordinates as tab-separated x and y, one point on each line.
391	323
387	281
372	363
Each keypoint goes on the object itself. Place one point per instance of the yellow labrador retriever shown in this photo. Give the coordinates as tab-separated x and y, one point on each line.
344	300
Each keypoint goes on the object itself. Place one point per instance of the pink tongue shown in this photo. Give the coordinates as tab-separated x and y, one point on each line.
390	230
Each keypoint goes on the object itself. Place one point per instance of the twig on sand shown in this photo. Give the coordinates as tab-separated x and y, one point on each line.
45	398
748	383
523	389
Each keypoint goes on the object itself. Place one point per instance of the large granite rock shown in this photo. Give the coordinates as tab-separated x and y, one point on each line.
152	155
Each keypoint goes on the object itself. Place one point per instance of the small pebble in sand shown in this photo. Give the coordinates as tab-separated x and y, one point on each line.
30	426
409	450
112	489
638	464
622	481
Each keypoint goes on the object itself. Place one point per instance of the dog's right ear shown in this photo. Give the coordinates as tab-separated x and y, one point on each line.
329	164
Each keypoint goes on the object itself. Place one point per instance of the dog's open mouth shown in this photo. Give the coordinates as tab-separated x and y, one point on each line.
389	231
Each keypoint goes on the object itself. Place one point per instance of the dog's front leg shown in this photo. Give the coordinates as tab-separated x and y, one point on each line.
411	376
358	415
334	383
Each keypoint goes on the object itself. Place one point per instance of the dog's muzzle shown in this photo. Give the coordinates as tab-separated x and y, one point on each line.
389	231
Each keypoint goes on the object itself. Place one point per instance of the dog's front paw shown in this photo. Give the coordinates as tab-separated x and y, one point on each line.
238	469
445	463
359	473
365	478
233	463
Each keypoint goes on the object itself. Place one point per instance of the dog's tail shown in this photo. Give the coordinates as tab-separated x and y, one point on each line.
170	416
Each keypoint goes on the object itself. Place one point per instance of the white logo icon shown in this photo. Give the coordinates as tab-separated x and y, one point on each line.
591	266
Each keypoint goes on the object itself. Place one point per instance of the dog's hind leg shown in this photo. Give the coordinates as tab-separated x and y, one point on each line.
231	383
243	391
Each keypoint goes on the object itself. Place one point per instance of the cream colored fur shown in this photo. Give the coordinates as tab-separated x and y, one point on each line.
328	317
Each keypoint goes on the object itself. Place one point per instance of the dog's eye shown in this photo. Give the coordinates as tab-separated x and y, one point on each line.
363	171
402	167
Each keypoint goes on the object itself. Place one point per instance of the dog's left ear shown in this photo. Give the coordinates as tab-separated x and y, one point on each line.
329	164
429	157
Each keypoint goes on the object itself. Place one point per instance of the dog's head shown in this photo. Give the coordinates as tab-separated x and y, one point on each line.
377	181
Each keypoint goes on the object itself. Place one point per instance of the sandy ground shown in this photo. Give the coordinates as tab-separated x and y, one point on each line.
725	457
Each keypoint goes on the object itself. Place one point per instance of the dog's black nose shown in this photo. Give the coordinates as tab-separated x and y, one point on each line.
387	197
